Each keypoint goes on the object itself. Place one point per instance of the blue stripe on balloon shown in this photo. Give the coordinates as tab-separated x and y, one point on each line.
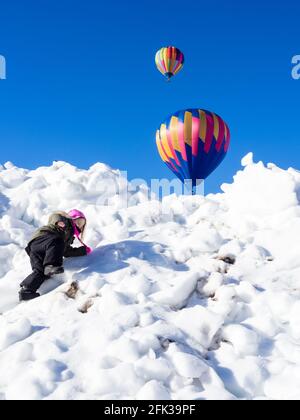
215	156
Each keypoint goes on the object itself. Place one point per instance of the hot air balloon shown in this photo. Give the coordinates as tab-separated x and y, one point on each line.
169	61
193	143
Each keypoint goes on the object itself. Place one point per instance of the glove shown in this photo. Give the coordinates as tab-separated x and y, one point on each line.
88	250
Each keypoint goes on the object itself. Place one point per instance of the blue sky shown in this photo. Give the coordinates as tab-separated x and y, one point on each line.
82	85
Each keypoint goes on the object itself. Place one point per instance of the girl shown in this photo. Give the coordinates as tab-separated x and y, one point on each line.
49	245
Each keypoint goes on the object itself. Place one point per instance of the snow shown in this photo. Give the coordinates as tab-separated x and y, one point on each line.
188	298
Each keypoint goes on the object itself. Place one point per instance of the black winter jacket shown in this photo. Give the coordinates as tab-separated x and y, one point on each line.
67	236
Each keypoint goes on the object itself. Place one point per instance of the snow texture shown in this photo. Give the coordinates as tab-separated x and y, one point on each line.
188	298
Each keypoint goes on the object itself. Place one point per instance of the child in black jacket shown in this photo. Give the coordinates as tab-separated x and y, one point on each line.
47	248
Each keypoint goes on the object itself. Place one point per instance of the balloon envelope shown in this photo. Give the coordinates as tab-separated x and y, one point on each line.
169	61
193	143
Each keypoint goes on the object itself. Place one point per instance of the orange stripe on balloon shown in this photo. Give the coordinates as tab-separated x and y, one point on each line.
188	128
203	125
162	59
169	136
164	140
166	60
174	133
168	160
216	126
174	53
160	149
181	140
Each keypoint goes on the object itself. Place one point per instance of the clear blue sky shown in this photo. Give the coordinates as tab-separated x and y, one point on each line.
82	85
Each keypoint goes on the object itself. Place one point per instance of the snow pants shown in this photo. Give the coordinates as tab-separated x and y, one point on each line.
43	251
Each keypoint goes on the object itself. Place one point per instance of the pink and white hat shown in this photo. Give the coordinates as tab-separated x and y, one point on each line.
76	214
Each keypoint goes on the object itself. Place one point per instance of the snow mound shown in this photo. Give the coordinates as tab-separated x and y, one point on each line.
188	298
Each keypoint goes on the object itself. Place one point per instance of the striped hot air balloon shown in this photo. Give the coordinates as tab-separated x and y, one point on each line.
193	143
169	61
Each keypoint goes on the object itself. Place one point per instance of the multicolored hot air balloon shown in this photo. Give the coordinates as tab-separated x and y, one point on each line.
169	61
193	143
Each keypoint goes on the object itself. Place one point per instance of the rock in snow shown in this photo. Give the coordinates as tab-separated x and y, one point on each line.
187	298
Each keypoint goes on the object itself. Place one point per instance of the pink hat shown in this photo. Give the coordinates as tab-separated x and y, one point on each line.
76	214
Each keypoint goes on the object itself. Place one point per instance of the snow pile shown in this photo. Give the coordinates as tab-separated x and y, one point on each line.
188	298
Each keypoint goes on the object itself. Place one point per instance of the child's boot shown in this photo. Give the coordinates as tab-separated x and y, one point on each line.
27	294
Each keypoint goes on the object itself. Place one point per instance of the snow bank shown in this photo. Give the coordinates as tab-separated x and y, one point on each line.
188	298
